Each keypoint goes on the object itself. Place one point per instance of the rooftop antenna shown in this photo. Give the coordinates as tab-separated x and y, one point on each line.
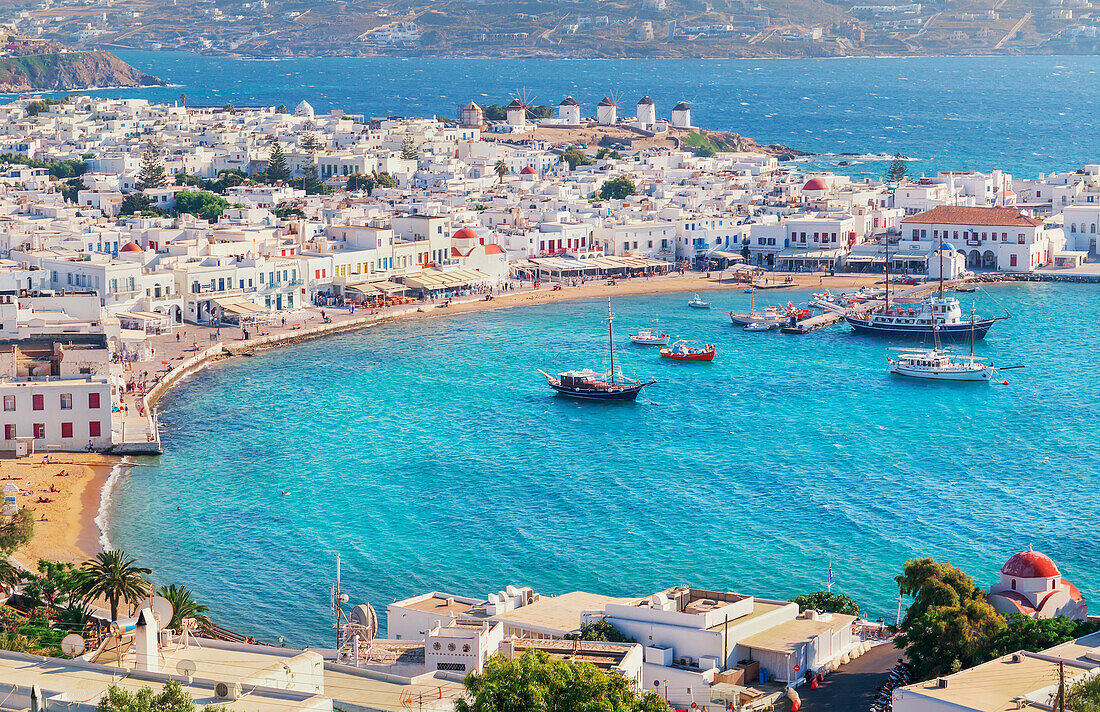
338	599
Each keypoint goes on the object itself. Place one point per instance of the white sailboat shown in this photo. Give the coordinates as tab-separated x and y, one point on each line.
940	365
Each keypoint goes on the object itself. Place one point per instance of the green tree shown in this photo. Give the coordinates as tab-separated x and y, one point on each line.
188	179
1084	695
897	171
10	576
183	100
501	169
601	630
384	180
950	623
54	586
1036	634
408	150
114	576
151	173
183	605
358	182
172	698
137	204
15	531
71	188
827	602
608	153
202	204
281	109
277	168
534	682
617	188
575	157
309	143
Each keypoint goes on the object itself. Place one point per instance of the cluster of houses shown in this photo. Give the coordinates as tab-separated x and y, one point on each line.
452	209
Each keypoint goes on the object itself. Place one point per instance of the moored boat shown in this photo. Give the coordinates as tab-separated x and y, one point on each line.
588	384
937	316
758	326
775	316
698	303
651	337
942	366
689	351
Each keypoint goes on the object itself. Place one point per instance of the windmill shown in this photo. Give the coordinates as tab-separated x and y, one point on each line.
607	111
519	108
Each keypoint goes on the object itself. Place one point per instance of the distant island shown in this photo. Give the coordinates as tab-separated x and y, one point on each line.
574	29
66	70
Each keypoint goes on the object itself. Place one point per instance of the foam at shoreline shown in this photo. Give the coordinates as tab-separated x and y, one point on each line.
102	517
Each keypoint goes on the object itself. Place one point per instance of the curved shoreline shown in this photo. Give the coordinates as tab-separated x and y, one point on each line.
223	349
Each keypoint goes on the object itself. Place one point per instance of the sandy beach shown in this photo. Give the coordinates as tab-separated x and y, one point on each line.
692	282
69	531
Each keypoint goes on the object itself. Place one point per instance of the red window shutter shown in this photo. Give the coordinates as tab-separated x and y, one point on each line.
93	400
66	430
9	432
38	402
94	429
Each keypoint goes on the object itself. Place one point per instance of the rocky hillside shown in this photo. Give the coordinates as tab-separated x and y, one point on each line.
69	70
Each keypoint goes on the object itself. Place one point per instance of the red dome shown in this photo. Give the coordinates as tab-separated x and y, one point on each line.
528	171
815	184
1030	564
131	247
464	234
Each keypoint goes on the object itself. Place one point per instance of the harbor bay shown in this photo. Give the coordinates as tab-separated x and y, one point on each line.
430	454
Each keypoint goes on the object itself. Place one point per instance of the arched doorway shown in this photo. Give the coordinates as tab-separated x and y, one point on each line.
989	260
974	259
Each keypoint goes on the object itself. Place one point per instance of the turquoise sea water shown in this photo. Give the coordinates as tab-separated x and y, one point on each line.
432	456
1028	115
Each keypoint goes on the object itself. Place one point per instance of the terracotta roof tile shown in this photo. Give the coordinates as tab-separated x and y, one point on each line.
954	215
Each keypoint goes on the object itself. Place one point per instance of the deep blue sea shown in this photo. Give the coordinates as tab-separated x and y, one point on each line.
1028	115
431	455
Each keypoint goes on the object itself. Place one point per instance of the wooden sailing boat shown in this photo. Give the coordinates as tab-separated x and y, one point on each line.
588	384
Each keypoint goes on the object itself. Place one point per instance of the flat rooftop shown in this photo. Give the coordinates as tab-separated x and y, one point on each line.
787	637
441	603
86	683
559	613
994	686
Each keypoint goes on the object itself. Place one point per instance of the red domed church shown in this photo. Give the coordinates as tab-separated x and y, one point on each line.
1032	585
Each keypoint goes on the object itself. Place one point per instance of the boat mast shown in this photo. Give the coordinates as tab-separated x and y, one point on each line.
971	332
886	238
941	270
611	339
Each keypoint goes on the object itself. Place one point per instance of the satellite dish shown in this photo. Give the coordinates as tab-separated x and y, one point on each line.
186	668
160	607
72	645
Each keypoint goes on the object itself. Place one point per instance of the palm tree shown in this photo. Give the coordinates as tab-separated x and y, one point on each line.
9	575
183	605
114	576
501	168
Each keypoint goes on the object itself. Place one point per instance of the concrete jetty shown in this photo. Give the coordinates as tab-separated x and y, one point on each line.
829	318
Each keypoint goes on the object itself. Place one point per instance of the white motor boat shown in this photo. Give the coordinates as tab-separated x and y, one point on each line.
941	366
758	326
651	337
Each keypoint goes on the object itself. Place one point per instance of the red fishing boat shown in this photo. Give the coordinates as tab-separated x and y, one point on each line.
689	351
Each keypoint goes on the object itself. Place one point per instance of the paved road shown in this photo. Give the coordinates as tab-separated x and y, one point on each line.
852	687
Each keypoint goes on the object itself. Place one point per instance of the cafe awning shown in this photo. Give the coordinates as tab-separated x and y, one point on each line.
238	305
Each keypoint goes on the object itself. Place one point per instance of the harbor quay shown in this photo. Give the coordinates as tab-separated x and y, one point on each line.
141	242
